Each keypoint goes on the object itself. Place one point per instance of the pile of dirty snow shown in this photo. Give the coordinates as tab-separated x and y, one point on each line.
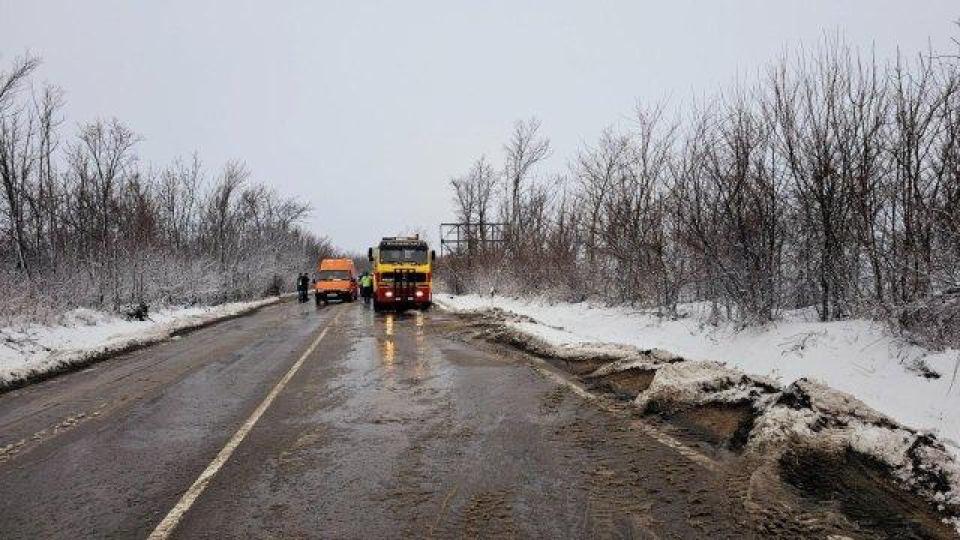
859	357
752	413
79	336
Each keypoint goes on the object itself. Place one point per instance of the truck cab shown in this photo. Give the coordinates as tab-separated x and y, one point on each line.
402	274
335	279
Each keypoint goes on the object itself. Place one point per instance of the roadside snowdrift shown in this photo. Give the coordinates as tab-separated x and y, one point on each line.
862	358
32	352
762	394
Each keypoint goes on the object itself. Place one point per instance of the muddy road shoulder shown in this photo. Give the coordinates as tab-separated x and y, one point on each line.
801	446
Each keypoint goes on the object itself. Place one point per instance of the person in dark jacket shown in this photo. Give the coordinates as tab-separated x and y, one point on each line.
303	282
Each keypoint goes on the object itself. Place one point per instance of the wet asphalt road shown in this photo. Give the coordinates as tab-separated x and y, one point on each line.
394	426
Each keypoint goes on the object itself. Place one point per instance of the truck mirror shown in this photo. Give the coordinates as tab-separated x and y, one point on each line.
370	254
433	255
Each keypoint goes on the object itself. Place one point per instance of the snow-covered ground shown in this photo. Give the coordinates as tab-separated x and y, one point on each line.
859	357
82	334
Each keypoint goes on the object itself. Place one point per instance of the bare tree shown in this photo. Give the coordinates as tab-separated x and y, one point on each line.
473	198
832	182
465	198
221	219
524	151
18	152
89	225
596	170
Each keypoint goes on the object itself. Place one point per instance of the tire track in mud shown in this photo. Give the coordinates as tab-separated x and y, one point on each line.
489	514
419	472
635	487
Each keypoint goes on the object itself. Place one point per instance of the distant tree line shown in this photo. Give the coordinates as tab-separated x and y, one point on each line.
831	182
84	223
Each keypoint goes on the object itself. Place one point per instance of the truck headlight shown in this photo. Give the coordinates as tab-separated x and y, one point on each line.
419	294
388	294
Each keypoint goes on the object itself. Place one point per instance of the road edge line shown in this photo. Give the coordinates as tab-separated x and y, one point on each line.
166	526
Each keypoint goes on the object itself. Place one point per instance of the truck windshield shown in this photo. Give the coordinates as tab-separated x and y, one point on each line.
331	275
394	255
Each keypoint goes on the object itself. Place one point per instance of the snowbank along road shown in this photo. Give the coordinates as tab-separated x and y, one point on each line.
336	422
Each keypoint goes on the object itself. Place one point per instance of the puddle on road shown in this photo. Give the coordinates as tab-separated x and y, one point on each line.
393	360
396	332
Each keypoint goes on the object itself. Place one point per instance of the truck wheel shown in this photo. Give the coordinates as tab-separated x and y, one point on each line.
316	298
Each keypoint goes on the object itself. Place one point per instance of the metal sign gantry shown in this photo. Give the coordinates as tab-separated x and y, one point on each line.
469	238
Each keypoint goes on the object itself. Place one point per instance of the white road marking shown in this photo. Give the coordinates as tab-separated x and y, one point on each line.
170	522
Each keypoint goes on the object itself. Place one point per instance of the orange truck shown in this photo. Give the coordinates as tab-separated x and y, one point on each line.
336	278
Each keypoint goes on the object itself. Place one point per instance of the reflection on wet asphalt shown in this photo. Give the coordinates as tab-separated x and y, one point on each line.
401	429
395	426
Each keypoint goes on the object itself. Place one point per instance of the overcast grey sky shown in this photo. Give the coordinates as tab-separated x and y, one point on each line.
366	109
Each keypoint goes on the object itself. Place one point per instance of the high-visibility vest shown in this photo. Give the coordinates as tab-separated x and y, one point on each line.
366	281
